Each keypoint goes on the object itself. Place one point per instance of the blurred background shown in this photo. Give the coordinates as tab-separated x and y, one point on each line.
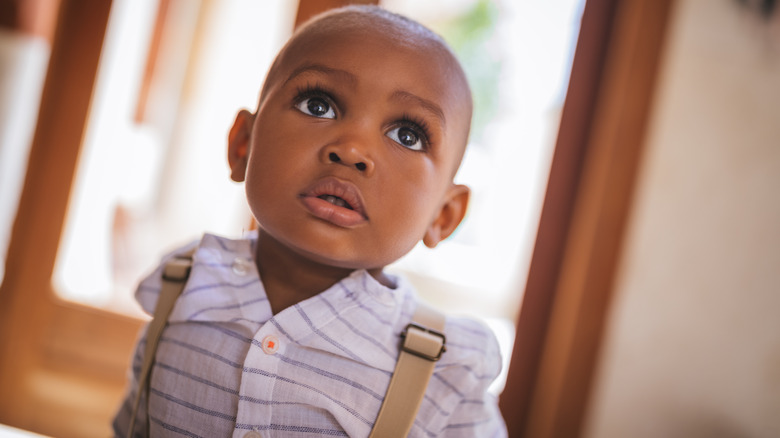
687	342
151	171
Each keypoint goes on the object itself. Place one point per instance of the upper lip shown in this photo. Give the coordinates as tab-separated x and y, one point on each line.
345	190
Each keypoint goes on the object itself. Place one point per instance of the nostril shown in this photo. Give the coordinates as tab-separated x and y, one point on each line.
334	157
360	166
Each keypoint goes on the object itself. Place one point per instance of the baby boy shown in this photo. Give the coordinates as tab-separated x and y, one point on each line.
347	162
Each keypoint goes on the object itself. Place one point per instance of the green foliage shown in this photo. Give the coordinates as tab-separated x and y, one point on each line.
471	37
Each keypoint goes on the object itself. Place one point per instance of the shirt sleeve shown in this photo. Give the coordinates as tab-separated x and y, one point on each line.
477	415
146	294
122	418
476	364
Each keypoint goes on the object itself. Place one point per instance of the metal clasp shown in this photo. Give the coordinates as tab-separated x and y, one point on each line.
177	269
422	354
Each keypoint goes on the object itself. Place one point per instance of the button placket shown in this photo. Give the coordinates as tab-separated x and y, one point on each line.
258	378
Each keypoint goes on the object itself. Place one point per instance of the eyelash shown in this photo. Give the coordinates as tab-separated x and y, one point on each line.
416	124
419	126
310	91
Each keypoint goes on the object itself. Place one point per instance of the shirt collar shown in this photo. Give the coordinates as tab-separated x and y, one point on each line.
224	285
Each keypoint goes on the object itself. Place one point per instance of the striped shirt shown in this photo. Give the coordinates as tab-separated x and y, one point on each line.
226	366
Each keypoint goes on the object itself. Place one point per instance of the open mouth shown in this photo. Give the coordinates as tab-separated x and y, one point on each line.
336	201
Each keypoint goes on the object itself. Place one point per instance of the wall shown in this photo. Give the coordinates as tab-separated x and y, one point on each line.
692	347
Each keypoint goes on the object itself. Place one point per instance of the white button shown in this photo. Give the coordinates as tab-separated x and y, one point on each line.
252	434
270	344
241	266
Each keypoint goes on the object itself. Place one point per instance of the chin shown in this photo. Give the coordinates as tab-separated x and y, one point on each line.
336	250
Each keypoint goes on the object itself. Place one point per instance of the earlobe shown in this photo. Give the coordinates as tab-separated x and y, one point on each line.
450	215
238	145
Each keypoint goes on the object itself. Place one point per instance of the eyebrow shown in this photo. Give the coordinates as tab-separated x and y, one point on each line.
428	105
319	68
346	76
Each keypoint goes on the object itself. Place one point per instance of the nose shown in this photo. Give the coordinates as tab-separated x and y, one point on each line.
348	155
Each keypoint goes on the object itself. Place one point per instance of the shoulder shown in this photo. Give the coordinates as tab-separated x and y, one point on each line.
472	351
458	400
472	348
149	288
210	250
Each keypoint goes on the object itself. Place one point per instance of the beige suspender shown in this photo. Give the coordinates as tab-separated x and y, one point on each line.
423	344
175	275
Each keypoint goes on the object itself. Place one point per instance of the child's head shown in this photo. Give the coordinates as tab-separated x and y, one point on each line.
350	157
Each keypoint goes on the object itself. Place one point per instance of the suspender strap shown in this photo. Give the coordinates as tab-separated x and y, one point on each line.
423	344
174	278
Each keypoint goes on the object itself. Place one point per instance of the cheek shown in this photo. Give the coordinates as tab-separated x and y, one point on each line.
410	202
266	181
276	154
256	197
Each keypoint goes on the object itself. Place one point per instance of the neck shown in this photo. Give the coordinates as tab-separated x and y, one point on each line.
289	277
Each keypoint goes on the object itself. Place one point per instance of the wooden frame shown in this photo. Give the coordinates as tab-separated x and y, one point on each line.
310	8
588	200
49	346
31	17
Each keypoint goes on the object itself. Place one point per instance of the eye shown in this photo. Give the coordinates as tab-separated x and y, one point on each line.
317	107
408	137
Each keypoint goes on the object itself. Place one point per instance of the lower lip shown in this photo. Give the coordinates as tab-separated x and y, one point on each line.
339	216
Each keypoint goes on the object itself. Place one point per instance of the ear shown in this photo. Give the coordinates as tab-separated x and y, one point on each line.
238	144
450	215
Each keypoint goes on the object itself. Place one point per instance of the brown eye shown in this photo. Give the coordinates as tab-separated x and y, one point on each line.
406	137
316	107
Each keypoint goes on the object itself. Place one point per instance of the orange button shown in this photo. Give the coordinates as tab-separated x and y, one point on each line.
270	344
